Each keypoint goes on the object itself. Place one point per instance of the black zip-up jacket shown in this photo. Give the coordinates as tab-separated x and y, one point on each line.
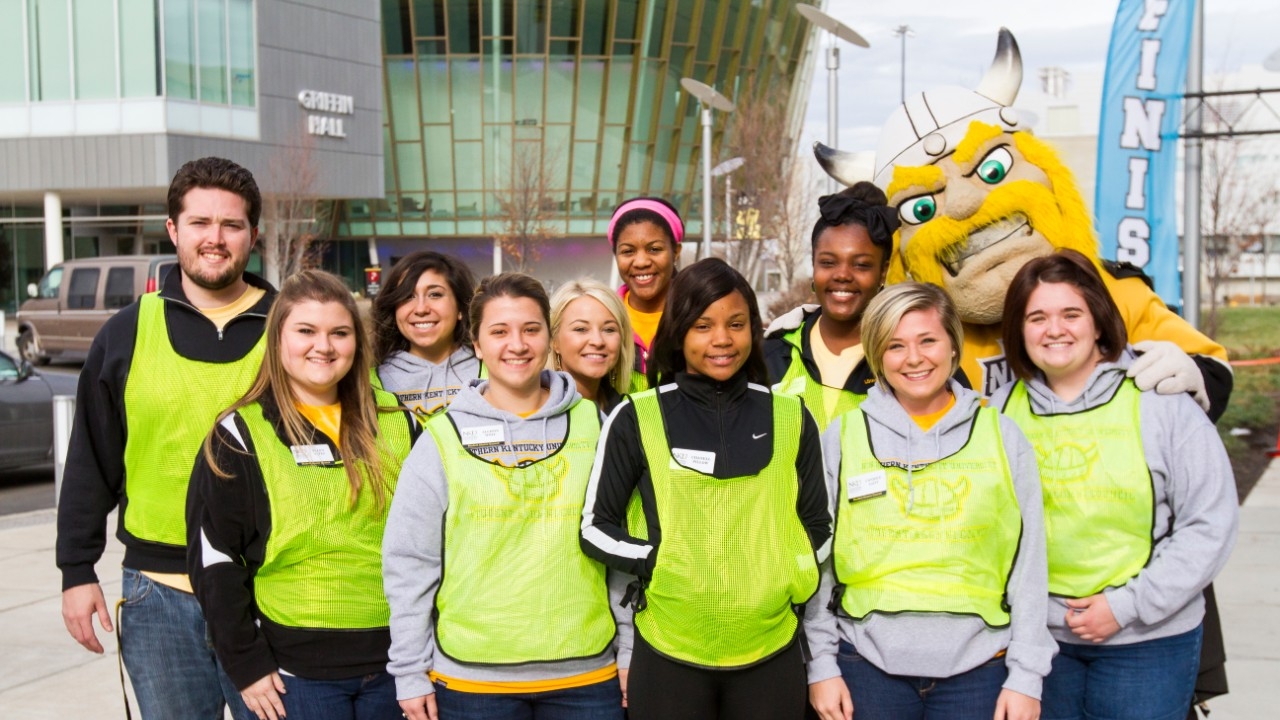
777	357
93	480
231	517
699	414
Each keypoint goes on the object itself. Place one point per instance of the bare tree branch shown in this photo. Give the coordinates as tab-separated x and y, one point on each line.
529	204
291	214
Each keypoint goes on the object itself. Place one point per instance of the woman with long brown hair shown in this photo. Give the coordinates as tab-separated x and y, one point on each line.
285	514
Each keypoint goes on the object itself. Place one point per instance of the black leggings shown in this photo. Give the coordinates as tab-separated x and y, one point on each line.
662	689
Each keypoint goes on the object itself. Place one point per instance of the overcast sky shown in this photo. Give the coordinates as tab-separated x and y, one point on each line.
955	39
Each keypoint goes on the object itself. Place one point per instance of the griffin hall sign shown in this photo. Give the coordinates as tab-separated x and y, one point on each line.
332	105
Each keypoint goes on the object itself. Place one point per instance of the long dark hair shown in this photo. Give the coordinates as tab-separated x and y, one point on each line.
401	282
693	290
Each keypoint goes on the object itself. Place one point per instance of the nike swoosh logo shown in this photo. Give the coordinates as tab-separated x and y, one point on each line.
757	437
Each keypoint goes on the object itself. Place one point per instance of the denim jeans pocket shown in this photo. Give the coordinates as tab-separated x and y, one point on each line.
135	587
846	653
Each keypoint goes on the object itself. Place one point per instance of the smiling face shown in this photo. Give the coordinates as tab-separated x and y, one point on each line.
917	362
213	239
513	342
971	220
1061	337
588	341
848	270
317	348
427	318
719	342
646	260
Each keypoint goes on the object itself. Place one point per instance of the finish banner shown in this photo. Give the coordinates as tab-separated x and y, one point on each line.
1137	138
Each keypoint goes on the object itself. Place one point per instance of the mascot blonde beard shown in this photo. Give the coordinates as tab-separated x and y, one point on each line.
979	196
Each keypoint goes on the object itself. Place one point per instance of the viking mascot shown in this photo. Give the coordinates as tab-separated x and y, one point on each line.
979	196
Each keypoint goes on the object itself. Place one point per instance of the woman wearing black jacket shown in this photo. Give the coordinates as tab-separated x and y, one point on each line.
733	494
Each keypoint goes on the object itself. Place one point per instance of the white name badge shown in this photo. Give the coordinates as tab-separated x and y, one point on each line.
311	454
483	435
866	485
703	462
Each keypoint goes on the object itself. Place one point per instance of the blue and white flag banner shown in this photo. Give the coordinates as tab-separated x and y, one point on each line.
1137	138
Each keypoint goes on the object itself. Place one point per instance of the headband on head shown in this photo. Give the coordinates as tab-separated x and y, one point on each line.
664	211
881	221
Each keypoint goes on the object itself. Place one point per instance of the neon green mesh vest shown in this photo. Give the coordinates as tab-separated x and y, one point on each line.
797	382
166	429
1098	499
516	586
323	562
941	540
735	558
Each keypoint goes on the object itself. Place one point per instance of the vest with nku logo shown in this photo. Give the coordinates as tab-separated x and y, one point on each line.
516	586
735	558
797	382
941	538
1099	503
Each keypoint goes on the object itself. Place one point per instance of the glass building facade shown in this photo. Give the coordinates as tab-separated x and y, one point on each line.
588	89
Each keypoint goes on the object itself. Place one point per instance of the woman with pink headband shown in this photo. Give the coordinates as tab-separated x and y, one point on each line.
645	233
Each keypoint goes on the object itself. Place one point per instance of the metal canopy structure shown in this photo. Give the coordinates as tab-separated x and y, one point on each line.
1266	100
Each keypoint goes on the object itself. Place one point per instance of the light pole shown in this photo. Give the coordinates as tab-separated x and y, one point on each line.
726	169
841	31
708	98
903	31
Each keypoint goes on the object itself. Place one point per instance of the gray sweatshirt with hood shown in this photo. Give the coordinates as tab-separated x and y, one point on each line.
1195	507
413	543
423	386
940	645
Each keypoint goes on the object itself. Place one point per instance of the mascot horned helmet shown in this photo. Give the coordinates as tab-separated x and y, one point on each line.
977	194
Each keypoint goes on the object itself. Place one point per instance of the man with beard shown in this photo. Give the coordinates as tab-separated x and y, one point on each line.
157	375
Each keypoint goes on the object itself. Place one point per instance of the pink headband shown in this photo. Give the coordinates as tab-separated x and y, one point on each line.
667	214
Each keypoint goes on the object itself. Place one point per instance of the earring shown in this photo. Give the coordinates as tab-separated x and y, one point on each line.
813	285
557	357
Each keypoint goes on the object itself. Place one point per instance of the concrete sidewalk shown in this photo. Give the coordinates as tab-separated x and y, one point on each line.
45	675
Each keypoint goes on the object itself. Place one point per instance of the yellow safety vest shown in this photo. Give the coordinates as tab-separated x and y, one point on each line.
323	562
516	586
735	559
166	430
941	539
1099	503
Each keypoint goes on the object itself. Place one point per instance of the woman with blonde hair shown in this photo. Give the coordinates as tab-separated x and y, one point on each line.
589	328
933	603
285	512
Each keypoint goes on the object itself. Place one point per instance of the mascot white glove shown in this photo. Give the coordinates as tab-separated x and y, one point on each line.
1165	367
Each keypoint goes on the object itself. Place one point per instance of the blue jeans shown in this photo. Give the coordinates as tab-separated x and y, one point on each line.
1150	680
877	695
600	701
166	649
370	697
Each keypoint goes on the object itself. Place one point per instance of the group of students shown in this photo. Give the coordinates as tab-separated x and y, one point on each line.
499	504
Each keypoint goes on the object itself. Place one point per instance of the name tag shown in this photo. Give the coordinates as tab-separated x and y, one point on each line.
483	435
703	462
311	454
867	485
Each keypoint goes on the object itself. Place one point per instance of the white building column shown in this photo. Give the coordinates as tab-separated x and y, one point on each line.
52	229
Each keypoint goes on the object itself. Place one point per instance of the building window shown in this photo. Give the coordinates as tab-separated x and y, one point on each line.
48	31
139	71
95	49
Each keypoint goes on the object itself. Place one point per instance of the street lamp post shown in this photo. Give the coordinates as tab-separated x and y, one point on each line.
903	31
838	30
708	98
726	169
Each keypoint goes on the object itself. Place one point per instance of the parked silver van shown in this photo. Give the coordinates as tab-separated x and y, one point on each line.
75	298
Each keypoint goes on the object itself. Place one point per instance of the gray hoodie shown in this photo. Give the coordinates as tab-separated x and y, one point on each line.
413	543
940	645
1195	499
423	386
